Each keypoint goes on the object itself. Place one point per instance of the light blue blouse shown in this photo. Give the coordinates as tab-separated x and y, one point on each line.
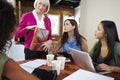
71	44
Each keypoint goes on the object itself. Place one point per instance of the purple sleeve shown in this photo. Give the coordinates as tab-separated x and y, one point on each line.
50	34
48	27
21	30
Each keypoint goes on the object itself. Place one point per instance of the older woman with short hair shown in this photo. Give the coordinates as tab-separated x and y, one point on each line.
28	23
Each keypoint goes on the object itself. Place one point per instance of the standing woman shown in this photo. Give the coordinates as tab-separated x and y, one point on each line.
31	20
106	52
9	69
71	38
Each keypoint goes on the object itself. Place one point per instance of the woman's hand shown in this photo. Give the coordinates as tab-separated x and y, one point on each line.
46	45
104	67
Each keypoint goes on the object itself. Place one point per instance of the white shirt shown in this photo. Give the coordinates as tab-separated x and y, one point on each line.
40	22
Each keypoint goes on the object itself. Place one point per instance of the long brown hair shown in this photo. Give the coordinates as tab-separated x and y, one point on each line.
76	33
7	23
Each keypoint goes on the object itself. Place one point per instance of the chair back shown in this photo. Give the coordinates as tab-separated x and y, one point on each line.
16	52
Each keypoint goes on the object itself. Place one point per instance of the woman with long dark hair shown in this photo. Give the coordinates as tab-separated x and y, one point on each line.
71	38
9	69
106	52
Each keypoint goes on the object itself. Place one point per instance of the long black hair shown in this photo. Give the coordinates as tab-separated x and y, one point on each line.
7	23
112	36
76	33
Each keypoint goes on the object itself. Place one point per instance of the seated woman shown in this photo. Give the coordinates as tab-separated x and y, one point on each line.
9	69
106	52
71	38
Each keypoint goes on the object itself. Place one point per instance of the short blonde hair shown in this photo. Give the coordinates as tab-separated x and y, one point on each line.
47	3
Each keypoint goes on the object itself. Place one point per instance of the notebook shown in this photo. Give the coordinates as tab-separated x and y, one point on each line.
83	59
40	36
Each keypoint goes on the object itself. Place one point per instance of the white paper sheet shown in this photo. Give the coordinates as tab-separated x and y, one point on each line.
31	65
28	69
86	75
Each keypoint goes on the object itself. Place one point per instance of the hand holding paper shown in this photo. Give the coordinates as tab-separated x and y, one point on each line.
40	40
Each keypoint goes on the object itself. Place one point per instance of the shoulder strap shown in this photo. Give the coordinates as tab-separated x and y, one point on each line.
3	59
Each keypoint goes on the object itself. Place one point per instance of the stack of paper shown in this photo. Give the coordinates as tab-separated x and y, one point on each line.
86	75
31	65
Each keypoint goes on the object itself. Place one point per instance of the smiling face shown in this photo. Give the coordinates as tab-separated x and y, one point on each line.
40	7
68	26
99	34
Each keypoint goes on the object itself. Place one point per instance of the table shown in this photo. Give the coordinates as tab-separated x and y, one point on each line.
114	75
70	67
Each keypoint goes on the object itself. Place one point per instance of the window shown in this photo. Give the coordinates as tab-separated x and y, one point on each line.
55	20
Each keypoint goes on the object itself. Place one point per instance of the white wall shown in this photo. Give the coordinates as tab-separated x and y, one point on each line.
93	11
13	2
77	15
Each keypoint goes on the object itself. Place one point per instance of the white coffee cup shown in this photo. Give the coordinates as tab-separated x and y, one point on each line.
62	59
56	64
49	57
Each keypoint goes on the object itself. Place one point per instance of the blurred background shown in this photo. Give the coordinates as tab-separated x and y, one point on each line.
87	13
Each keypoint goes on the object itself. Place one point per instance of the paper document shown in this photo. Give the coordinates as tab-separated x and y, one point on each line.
31	65
86	75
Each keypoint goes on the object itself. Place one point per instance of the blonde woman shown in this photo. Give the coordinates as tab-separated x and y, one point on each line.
31	20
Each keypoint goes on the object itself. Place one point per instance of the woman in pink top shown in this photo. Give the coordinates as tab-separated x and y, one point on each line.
31	20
